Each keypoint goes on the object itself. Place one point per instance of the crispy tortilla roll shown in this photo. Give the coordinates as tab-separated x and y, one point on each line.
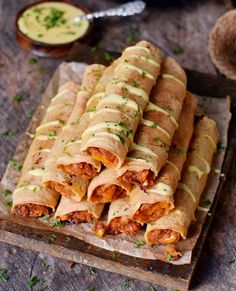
113	125
105	188
54	178
174	226
158	200
149	151
70	211
73	161
119	218
29	198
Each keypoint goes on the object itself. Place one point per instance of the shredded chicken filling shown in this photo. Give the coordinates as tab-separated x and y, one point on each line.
82	170
63	190
32	210
163	236
108	159
151	212
143	178
77	217
123	225
107	193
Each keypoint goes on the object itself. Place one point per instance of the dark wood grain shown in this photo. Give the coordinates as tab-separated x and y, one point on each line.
186	26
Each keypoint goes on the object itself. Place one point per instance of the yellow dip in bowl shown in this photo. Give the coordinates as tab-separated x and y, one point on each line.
52	23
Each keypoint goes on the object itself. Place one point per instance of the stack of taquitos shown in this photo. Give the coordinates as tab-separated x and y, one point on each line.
30	198
129	213
107	139
174	226
149	151
55	178
73	161
158	200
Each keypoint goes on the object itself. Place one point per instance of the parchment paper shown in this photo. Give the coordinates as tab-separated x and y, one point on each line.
218	109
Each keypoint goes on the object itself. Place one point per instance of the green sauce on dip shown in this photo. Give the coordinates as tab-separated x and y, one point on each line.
52	23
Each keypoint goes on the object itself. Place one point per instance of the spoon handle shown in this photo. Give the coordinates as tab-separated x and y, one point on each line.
126	9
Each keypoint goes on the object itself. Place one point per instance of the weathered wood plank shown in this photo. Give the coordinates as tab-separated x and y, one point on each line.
186	27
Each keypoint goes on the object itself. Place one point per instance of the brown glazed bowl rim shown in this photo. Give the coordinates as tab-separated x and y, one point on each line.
43	44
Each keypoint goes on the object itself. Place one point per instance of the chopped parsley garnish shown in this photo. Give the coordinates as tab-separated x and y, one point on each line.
17	98
144	73
114	256
52	133
180	151
67	238
61	121
178	51
45	217
9	203
153	289
168	257
161	144
92	110
108	57
126	283
95	48
207	202
32	61
3	274
128	132
6	192
54	19
133	35
33	280
232	261
135	114
52	238
122	140
121	123
220	148
16	165
154	125
8	133
139	243
45	266
57	224
93	271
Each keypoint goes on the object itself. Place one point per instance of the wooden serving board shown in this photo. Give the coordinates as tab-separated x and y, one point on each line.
156	272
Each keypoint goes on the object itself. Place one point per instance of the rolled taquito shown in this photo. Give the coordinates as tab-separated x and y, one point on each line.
153	203
54	177
73	161
30	198
112	127
174	226
105	187
145	206
120	218
74	212
149	151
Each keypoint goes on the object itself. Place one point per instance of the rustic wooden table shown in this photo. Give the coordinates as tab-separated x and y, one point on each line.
181	32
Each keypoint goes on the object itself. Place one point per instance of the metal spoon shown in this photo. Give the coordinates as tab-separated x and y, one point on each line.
127	9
